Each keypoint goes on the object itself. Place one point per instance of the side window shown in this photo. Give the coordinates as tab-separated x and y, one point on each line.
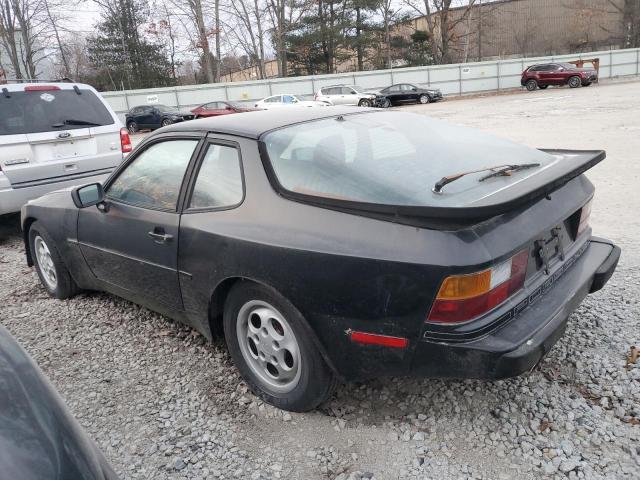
274	99
346	91
219	180
287	99
154	177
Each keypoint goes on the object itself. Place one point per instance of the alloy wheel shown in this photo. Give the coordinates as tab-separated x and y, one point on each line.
269	346
132	127
45	262
531	85
424	99
574	82
365	103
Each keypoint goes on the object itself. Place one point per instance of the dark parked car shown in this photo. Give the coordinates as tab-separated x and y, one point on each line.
154	116
337	243
545	74
405	93
39	438
215	109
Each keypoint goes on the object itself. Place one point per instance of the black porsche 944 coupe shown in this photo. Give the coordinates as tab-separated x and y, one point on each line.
339	244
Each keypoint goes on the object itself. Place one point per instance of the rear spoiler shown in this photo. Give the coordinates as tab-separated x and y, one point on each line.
574	163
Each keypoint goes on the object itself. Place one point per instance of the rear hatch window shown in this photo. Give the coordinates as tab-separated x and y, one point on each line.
370	161
51	110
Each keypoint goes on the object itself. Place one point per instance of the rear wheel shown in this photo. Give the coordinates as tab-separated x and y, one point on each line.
542	87
575	82
424	99
365	102
53	273
271	347
132	127
531	85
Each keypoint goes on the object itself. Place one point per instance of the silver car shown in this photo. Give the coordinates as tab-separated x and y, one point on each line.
53	136
345	95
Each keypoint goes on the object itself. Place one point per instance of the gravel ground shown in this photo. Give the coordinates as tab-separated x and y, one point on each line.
164	404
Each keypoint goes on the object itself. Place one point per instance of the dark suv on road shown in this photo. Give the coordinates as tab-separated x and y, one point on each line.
545	74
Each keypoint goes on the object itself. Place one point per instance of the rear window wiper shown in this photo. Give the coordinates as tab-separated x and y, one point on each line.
497	171
73	121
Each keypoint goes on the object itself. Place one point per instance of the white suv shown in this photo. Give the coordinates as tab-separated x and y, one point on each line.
53	136
345	95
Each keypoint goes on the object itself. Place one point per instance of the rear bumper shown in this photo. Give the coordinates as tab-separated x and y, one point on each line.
521	343
12	199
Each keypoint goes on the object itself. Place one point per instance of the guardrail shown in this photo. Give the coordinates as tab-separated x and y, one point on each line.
452	79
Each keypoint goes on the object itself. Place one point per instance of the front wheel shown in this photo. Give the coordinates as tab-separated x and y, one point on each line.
531	85
271	347
575	82
385	103
132	127
365	102
166	122
424	99
53	273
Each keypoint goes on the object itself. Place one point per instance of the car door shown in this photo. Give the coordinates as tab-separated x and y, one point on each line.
145	117
395	94
545	74
132	244
349	96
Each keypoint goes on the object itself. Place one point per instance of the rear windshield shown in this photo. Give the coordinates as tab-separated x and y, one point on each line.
46	111
389	158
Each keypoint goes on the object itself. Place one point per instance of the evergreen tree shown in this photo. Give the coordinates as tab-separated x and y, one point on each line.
121	55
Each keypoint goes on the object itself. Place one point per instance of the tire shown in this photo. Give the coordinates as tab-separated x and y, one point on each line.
385	103
166	122
542	87
531	85
53	273
424	99
364	103
132	127
273	349
575	82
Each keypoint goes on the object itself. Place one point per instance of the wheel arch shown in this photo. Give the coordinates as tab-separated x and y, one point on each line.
216	311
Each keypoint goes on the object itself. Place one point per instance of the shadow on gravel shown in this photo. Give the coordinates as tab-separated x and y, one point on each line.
9	227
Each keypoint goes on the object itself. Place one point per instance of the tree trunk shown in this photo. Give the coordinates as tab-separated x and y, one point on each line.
218	59
196	7
359	39
263	73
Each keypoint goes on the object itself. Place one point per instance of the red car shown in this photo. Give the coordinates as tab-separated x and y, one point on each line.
545	74
213	109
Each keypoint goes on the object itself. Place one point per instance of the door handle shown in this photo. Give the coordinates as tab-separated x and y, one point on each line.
160	237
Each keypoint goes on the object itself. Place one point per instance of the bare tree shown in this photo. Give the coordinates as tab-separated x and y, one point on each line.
246	26
441	24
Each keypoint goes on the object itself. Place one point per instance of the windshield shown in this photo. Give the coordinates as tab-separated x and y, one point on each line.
51	110
390	158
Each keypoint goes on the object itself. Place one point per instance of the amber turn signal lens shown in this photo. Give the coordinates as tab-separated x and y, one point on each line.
458	287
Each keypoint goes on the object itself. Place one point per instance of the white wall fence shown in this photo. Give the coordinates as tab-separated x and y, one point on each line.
452	79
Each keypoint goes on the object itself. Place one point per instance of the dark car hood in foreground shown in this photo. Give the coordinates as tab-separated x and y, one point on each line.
39	439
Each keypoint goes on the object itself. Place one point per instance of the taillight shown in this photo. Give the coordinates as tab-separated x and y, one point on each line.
40	88
463	297
125	141
585	213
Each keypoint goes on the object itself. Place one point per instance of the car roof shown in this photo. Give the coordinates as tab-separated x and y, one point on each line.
255	124
19	87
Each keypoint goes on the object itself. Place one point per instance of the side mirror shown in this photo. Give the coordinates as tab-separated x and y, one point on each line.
88	195
414	89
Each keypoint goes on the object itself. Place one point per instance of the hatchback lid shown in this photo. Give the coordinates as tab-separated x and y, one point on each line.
389	162
50	131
